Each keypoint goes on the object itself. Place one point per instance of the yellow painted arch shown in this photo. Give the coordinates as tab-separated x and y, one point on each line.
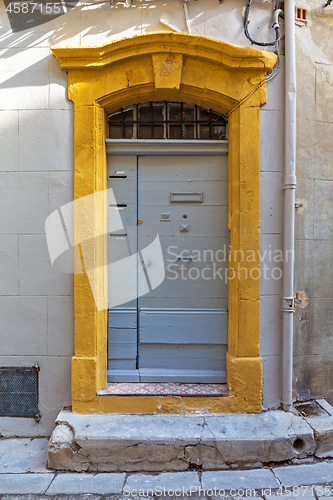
196	70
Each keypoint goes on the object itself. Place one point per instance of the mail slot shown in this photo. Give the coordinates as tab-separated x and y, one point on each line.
186	197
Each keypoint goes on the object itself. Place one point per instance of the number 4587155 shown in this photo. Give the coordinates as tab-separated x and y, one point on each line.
30	7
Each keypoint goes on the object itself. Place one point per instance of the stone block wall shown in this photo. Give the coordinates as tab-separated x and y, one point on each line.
313	340
36	177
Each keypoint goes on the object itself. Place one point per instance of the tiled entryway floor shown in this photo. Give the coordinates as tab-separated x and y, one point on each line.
164	389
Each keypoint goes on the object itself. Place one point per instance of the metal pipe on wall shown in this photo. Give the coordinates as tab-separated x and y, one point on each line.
187	17
289	204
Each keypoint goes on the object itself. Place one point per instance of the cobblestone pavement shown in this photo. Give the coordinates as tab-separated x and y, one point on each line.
23	475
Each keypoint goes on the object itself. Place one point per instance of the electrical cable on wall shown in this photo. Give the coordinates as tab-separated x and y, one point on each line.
276	13
276	26
275	70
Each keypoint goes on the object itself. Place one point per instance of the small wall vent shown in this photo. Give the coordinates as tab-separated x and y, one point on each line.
301	15
19	392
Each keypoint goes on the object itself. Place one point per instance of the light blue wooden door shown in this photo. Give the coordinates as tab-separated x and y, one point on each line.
176	331
183	322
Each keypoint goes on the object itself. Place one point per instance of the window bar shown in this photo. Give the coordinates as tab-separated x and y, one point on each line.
151	119
135	121
167	116
138	121
182	127
165	135
122	122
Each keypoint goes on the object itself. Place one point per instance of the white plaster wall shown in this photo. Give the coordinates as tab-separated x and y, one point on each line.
271	225
36	177
96	22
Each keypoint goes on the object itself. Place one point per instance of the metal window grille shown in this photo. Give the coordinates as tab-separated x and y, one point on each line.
167	120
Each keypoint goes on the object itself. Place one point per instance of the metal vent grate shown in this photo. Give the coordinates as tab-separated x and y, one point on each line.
19	392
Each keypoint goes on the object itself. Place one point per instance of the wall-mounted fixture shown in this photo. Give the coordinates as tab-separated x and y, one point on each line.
19	391
275	26
301	15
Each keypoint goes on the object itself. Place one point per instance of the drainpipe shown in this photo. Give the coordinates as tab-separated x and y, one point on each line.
289	205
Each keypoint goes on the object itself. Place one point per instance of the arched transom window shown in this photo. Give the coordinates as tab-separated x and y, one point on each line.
167	120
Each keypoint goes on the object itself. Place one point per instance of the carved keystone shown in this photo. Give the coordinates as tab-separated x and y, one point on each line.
167	70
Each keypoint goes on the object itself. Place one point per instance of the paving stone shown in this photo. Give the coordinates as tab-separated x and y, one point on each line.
239	479
302	475
113	497
71	483
201	496
177	481
325	405
39	497
87	496
25	483
23	455
300	461
242	497
323	429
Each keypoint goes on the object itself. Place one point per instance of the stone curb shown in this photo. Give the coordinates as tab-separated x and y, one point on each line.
304	481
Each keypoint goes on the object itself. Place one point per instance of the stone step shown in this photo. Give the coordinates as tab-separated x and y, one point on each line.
112	442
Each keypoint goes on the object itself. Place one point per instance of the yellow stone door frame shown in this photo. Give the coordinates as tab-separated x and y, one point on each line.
196	70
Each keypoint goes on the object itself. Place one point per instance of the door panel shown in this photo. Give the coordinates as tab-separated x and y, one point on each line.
181	281
188	302
207	218
176	331
182	356
185	327
191	375
123	270
159	193
186	168
122	345
175	340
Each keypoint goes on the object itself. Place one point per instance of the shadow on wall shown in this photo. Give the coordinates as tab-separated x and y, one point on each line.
95	23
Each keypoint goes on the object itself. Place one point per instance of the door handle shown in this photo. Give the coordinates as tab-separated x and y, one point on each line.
185	257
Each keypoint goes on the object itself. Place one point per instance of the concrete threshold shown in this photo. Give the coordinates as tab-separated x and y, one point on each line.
127	443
